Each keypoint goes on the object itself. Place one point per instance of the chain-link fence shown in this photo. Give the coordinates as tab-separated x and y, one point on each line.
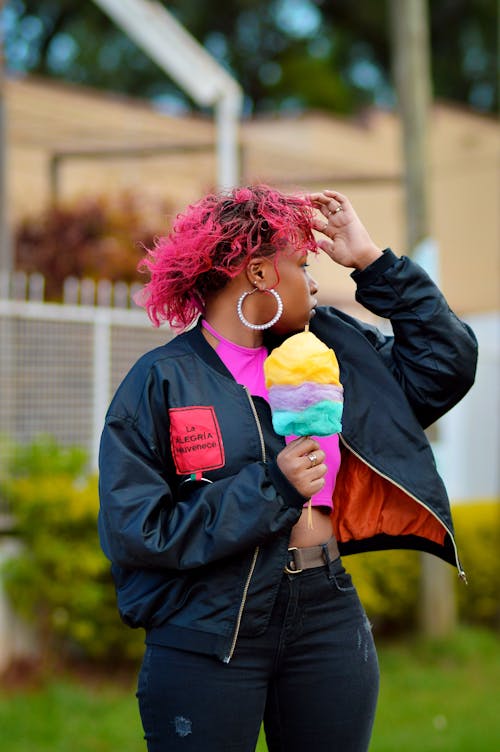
60	365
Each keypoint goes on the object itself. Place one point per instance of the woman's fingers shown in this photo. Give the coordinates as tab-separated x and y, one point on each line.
302	461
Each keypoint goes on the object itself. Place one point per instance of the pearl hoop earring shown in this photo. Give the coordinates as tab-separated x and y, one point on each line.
273	321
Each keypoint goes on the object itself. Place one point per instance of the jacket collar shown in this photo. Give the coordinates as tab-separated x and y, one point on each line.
197	342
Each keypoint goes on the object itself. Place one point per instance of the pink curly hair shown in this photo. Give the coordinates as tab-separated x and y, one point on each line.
212	241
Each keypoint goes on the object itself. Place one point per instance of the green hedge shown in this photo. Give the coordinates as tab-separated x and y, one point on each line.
478	534
60	580
388	582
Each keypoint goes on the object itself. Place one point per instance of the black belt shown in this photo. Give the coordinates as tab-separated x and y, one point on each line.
311	556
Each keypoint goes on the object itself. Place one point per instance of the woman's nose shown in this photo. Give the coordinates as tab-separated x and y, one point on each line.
313	285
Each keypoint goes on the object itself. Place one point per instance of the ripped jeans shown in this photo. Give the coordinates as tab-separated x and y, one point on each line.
312	678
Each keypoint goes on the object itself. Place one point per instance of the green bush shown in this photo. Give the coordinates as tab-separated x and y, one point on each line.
388	582
478	534
100	237
60	580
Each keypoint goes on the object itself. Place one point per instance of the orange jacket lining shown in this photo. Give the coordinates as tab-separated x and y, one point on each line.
366	504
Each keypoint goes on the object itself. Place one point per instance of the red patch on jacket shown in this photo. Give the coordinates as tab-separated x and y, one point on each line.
195	439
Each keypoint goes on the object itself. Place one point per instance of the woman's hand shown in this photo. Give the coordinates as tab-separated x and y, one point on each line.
346	240
302	461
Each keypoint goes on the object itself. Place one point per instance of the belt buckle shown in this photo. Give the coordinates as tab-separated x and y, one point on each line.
287	568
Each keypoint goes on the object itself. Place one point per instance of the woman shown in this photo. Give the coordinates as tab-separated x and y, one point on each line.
248	611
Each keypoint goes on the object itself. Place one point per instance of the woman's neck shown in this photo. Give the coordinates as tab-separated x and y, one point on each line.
237	333
216	338
222	316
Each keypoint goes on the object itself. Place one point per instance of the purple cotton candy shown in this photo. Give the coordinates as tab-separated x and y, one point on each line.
290	397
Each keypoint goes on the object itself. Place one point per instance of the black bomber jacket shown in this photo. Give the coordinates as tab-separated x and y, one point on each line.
195	513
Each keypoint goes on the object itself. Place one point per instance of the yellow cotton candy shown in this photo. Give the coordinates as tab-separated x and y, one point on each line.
302	357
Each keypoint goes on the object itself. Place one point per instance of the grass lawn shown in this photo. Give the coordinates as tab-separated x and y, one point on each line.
438	696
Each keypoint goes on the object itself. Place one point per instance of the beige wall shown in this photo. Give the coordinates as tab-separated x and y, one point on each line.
319	151
360	158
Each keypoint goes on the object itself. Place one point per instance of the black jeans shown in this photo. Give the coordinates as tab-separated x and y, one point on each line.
312	677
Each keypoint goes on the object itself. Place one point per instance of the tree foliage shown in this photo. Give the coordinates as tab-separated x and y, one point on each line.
285	53
97	237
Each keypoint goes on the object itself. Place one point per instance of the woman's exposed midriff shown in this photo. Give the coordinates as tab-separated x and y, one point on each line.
313	527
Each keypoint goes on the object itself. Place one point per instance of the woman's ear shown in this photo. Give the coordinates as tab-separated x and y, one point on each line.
260	272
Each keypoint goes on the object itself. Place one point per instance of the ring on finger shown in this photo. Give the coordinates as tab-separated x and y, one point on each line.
313	459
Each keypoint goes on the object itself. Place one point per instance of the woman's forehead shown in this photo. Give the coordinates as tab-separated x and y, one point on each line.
295	251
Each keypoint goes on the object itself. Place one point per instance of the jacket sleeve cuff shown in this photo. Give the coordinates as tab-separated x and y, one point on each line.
366	277
283	486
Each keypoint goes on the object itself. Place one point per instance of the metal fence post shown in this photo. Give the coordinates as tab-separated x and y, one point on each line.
101	377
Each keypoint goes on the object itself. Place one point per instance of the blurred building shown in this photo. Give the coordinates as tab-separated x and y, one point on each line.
65	141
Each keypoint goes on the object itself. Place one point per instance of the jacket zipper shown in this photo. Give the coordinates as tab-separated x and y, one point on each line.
257	421
461	572
242	606
256	552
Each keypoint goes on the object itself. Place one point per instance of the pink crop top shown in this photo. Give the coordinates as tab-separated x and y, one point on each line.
246	365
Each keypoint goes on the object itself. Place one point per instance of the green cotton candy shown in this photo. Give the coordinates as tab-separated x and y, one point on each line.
322	419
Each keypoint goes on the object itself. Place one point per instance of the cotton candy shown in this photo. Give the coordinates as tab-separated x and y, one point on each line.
300	358
305	393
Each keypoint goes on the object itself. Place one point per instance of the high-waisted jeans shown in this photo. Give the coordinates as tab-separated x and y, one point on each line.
312	678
